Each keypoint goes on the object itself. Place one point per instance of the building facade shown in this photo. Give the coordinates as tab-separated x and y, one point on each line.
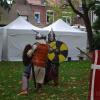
37	12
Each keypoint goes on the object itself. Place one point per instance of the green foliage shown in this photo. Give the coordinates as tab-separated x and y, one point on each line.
96	27
61	10
96	24
57	11
97	10
96	43
6	4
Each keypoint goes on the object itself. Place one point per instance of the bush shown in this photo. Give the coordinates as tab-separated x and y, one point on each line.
96	44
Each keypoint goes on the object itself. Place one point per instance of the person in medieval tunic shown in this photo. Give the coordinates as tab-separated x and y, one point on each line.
94	84
27	57
39	60
52	69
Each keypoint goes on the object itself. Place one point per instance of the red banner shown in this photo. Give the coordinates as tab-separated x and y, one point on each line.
94	86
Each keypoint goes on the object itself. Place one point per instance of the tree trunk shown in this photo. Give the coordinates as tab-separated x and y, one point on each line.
89	31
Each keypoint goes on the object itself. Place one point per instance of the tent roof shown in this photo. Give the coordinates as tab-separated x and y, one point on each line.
61	26
21	23
82	28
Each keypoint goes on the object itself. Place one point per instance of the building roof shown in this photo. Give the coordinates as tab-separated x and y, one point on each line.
34	2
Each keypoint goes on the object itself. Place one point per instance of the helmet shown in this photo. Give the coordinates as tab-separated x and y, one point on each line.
51	36
40	36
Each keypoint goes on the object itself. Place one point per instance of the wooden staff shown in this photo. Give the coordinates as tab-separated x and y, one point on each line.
33	75
84	52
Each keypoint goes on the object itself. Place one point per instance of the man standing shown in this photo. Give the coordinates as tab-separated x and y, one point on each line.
39	59
52	69
27	57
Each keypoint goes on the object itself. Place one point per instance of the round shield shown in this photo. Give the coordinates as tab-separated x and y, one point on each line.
58	51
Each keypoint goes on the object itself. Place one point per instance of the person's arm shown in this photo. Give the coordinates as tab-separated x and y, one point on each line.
30	52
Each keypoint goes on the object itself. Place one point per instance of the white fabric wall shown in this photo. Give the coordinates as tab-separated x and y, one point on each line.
73	41
17	39
72	37
1	43
4	47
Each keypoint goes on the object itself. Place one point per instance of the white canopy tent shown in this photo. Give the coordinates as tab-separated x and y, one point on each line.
16	35
60	26
80	27
71	36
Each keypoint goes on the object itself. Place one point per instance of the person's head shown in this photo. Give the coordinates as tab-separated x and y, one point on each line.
51	36
40	38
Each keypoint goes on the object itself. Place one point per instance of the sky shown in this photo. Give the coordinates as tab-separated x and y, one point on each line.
9	1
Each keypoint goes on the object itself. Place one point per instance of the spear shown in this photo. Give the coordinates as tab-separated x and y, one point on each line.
33	74
83	52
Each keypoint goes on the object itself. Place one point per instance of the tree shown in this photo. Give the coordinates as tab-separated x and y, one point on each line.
96	24
96	27
86	7
61	10
6	4
64	11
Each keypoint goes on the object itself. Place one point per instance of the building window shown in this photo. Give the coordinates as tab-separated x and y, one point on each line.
37	17
66	16
49	16
10	1
66	19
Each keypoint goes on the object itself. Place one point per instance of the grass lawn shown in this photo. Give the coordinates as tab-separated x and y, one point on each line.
74	79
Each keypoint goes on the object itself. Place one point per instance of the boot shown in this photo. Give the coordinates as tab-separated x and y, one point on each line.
24	90
39	87
56	83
